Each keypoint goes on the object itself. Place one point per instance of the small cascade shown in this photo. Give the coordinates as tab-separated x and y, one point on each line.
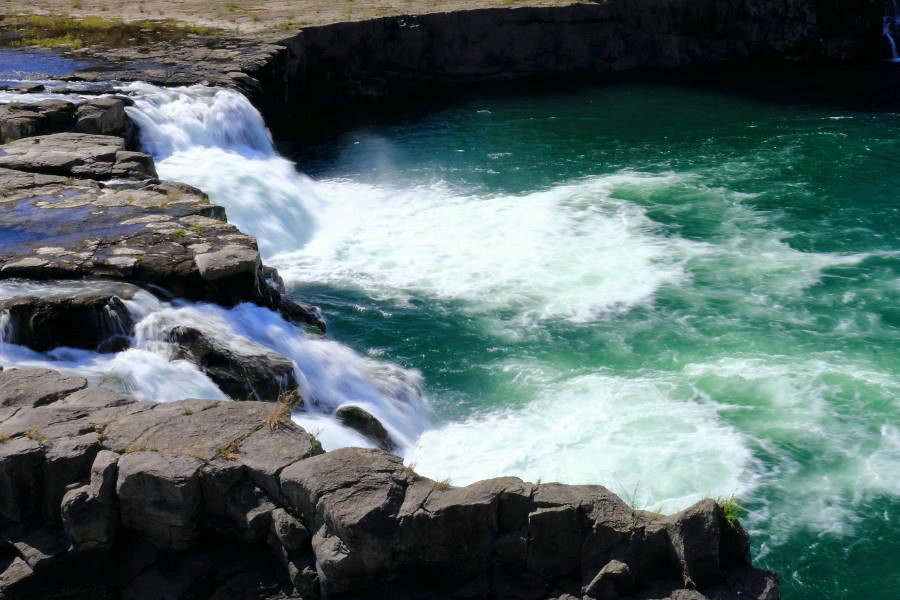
216	140
330	374
6	331
889	28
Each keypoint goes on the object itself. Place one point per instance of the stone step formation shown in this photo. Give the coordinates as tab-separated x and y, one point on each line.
122	498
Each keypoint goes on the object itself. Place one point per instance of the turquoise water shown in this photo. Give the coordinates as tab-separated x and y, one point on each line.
672	292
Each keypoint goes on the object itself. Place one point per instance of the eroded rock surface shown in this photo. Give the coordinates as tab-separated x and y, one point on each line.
159	234
138	498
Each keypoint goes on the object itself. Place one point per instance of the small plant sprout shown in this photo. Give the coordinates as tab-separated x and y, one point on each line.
732	508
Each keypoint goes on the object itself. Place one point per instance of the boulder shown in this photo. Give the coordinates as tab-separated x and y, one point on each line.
91	320
83	155
360	420
243	369
102	116
86	520
227	262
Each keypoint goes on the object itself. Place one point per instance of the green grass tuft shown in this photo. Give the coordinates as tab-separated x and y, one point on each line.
732	508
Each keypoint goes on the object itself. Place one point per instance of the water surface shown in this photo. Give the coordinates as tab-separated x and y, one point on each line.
673	292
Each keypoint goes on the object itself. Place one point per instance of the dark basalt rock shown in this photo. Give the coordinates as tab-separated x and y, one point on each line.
325	69
90	320
358	419
223	499
242	369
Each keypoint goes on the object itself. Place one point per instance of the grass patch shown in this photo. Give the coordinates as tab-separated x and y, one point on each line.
4	437
34	435
179	233
732	508
284	406
57	31
442	485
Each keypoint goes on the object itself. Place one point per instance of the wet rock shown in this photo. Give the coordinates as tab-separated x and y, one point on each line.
243	369
90	320
359	420
97	157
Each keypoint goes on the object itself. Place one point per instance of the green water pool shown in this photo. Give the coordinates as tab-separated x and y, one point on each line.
672	291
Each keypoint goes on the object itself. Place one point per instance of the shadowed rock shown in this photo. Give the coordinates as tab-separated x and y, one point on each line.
90	320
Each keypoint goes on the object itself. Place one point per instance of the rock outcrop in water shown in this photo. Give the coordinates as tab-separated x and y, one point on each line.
244	370
199	498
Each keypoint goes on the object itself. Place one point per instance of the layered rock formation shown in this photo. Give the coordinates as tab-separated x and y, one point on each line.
81	205
199	498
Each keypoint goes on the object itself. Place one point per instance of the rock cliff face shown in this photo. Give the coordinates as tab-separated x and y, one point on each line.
104	496
329	67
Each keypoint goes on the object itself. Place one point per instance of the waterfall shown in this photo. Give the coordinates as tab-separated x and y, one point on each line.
216	140
888	25
890	22
6	331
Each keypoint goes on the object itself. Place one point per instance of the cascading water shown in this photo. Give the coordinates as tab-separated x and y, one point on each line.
891	21
215	140
674	306
331	375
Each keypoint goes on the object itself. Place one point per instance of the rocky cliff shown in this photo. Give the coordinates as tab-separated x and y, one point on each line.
327	68
106	497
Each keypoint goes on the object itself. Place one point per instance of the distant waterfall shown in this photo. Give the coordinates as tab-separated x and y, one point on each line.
891	20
